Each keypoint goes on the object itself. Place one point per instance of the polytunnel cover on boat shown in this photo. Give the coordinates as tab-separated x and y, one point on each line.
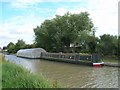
30	53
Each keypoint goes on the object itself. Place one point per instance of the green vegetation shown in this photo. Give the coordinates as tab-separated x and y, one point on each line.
110	60
57	34
0	71
14	76
13	48
67	33
70	33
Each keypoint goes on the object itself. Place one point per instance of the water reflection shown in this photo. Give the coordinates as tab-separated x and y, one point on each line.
21	61
71	75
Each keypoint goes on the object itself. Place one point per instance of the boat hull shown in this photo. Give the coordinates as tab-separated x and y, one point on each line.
98	64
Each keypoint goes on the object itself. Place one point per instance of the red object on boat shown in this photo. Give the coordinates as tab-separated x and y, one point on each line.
98	64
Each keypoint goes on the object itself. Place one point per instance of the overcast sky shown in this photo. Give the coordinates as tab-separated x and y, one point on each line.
19	17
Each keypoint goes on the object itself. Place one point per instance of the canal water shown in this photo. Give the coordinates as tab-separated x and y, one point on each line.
70	75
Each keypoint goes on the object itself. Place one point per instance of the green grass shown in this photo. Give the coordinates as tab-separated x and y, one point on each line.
14	76
0	71
110	60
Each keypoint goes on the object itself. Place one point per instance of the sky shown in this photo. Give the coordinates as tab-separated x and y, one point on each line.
19	17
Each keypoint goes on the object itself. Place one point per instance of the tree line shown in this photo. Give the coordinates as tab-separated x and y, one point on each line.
69	33
14	47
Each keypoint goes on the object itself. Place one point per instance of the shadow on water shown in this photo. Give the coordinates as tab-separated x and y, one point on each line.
71	75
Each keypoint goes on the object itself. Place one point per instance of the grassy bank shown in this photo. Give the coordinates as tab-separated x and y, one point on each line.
14	76
0	71
110	59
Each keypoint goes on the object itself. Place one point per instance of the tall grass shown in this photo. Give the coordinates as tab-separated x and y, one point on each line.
14	76
1	57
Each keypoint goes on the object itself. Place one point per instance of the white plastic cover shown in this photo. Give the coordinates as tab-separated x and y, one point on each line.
30	53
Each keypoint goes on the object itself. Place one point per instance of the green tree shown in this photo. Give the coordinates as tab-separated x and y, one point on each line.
108	44
92	42
44	35
27	46
11	47
20	45
58	33
118	48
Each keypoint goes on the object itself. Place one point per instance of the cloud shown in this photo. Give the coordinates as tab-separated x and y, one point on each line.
61	11
19	27
23	5
42	1
104	14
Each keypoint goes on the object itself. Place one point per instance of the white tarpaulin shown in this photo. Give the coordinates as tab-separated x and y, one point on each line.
30	53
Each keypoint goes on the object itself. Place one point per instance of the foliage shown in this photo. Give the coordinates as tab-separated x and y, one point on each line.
27	46
92	44
0	76
70	33
14	76
118	49
108	44
20	45
11	47
58	33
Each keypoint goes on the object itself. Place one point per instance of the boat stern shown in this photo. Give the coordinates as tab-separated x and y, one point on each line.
100	64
